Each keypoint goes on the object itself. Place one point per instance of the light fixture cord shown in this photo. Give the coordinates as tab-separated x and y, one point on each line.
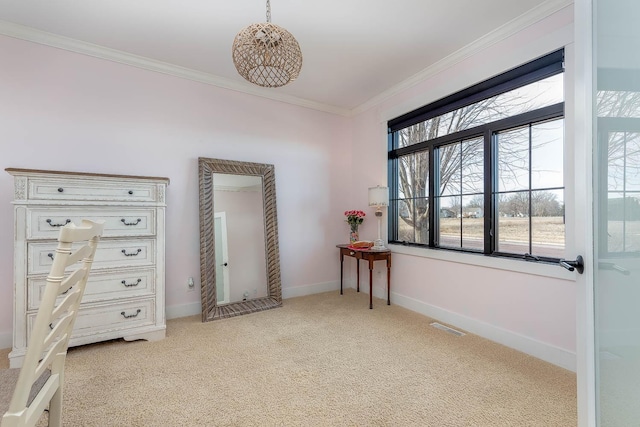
268	11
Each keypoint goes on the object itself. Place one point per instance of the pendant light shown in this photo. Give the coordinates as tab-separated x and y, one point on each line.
266	54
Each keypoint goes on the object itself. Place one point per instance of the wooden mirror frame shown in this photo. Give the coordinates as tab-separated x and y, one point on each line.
210	309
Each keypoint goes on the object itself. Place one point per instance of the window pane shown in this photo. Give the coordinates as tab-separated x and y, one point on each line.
461	175
413	221
473	222
406	232
406	166
547	145
422	220
413	134
472	166
547	223
513	223
413	175
413	189
449	232
513	160
449	170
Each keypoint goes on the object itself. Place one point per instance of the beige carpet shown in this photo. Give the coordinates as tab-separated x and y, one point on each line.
321	360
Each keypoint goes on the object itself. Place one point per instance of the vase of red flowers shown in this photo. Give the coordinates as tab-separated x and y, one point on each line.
354	219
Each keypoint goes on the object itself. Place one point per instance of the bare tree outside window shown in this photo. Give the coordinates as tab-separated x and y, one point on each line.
413	192
460	169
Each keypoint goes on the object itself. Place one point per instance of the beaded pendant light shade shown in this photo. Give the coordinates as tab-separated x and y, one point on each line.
266	54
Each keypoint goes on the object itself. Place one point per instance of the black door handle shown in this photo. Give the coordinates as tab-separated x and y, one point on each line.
225	264
578	264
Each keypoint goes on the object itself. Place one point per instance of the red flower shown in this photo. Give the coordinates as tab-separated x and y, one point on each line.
354	217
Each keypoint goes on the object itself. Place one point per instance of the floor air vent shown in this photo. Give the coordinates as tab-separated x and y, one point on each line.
447	329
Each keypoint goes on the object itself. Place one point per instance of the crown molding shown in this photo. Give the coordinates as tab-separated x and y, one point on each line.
503	32
22	32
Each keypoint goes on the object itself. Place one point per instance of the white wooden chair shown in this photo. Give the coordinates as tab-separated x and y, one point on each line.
25	392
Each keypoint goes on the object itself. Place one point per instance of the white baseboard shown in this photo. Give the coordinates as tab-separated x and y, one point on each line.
183	310
549	353
316	288
6	339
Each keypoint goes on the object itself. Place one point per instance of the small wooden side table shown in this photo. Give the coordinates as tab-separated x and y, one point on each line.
370	255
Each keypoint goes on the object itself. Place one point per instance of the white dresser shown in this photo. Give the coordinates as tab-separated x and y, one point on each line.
125	294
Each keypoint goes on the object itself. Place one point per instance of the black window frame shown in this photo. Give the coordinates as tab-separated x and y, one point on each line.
539	69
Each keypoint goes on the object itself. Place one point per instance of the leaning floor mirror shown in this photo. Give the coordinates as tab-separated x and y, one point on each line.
239	257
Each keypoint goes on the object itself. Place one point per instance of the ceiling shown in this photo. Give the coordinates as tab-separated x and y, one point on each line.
354	51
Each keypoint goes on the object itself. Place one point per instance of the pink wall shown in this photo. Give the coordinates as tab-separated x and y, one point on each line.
64	111
499	303
111	118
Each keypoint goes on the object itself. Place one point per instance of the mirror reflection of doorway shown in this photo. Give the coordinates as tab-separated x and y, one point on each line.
222	258
240	198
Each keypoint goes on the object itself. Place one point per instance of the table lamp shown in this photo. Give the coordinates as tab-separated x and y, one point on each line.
378	198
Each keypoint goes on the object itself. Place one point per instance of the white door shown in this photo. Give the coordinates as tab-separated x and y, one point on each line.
222	258
608	81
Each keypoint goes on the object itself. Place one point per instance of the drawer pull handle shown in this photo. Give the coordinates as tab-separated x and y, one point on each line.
124	251
50	255
136	222
129	316
60	190
51	326
352	253
128	285
50	222
130	192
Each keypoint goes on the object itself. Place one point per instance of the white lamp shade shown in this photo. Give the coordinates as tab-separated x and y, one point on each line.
378	196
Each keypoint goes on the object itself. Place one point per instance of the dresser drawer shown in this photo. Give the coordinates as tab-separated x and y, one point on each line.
45	223
108	318
102	286
91	189
110	254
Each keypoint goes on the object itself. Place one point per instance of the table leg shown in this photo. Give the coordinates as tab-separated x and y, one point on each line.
388	281
358	274
370	284
341	268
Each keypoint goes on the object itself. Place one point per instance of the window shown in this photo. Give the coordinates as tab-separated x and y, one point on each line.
529	194
482	170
